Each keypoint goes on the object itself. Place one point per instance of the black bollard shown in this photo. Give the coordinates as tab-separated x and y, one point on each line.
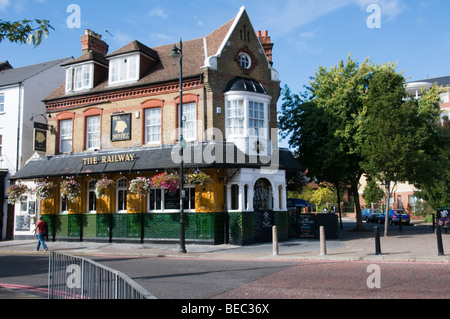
377	241
439	241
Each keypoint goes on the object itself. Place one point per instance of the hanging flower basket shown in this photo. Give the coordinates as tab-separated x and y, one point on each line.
16	191
198	178
70	189
43	190
102	185
168	181
140	185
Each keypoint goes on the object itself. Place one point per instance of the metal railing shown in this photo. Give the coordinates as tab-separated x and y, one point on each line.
71	277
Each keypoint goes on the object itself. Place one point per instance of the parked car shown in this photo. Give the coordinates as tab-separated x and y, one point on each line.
394	215
371	215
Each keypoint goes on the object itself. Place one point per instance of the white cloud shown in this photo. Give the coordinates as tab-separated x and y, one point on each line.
4	4
293	14
157	12
390	9
304	43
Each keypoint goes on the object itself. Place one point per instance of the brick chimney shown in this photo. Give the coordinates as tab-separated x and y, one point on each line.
92	41
266	43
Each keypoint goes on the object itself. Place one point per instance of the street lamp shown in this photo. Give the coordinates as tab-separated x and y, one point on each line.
178	53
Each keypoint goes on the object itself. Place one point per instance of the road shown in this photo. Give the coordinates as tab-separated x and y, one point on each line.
175	278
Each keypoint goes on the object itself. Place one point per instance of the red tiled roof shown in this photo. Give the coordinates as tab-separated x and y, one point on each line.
166	69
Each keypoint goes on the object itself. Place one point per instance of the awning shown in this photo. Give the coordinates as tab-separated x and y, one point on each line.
140	159
295	202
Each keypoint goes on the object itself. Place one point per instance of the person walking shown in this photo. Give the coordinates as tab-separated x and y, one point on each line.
42	229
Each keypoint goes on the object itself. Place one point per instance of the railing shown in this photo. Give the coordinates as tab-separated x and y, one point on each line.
72	277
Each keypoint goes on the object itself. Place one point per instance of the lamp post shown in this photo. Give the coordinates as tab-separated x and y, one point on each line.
178	53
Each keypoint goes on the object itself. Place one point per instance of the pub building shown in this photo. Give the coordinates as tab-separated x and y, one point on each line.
116	121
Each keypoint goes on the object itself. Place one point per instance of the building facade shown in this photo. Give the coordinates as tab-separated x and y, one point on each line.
21	93
117	120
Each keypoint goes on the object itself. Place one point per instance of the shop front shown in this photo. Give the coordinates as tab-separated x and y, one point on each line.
134	194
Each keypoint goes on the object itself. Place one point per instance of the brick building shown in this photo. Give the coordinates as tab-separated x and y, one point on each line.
117	118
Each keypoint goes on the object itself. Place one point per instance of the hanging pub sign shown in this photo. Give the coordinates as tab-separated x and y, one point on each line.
120	127
40	137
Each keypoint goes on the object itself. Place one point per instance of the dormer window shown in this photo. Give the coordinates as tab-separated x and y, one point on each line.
79	77
124	69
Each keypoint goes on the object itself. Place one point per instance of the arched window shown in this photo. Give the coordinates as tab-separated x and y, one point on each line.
263	195
121	195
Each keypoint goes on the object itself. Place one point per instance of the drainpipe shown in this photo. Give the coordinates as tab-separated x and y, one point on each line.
19	111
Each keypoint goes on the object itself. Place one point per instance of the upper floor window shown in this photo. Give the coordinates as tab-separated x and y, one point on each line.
256	116
124	69
153	125
245	61
247	115
2	103
189	120
235	115
79	77
93	132
65	136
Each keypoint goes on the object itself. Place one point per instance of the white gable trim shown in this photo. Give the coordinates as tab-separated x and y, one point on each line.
235	22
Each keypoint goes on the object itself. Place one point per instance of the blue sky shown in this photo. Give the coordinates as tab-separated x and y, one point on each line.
306	33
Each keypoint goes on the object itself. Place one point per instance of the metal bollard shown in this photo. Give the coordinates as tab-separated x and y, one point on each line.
439	241
275	240
377	241
323	248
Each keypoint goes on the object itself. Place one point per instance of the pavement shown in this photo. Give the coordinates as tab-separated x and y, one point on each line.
415	243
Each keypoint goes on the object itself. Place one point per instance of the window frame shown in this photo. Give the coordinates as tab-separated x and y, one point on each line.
2	102
91	191
96	132
245	60
121	189
79	77
190	134
119	66
147	126
189	203
248	97
61	136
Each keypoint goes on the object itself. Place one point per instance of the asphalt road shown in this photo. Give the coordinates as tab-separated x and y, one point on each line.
197	279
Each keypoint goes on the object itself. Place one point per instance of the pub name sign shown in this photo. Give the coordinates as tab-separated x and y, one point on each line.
118	158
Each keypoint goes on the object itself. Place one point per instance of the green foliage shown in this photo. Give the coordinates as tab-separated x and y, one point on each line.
372	192
25	31
356	119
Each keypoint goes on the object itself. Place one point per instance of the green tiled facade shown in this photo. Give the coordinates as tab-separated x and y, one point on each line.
210	228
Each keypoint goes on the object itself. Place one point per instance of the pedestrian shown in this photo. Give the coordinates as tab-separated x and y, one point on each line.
42	229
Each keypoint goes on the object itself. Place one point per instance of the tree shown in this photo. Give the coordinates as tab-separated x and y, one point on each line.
322	124
436	192
25	31
372	192
400	140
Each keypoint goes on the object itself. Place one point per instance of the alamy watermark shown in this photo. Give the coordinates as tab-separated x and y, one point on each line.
74	19
374	279
374	20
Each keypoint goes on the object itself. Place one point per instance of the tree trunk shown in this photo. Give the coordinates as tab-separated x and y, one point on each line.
354	190
386	214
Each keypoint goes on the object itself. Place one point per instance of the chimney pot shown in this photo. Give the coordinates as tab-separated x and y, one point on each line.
92	41
266	43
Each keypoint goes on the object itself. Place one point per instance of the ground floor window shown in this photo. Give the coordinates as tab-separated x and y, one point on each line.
162	199
122	195
92	199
